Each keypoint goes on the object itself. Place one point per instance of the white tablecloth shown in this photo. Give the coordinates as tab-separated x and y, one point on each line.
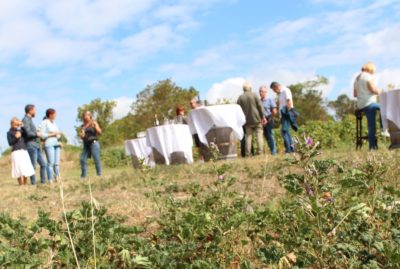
390	108
138	147
202	119
167	139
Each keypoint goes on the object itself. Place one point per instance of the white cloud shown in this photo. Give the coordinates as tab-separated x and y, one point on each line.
389	76
80	18
96	34
232	88
385	42
123	107
229	89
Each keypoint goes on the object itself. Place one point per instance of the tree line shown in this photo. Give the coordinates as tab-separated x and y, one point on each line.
161	98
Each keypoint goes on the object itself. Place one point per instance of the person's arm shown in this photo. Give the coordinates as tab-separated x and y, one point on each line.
45	130
289	99
274	112
13	138
274	108
29	132
261	110
372	87
97	128
289	104
82	133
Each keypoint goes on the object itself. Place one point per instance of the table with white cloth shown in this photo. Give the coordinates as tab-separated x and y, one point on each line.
221	124
171	144
138	150
390	113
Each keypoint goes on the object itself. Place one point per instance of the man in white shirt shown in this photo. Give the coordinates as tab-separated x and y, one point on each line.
286	106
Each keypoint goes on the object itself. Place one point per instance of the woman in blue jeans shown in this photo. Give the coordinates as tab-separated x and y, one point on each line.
91	147
51	135
366	91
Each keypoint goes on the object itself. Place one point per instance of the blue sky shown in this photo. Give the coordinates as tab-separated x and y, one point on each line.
64	53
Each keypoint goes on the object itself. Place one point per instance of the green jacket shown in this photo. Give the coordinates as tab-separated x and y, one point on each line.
252	108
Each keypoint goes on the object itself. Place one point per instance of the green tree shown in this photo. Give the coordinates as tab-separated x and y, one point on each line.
343	106
160	99
102	111
309	101
120	130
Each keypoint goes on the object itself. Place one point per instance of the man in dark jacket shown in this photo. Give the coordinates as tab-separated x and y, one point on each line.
32	143
255	118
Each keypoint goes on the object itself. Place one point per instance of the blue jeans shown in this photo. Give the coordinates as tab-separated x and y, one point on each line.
91	150
370	112
269	135
53	159
36	156
287	138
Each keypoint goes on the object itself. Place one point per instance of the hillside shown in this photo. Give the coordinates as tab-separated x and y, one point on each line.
252	213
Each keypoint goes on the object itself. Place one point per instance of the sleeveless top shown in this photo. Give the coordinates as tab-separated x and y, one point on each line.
364	96
90	135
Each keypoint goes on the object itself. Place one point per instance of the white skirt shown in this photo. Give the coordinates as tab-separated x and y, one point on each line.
21	164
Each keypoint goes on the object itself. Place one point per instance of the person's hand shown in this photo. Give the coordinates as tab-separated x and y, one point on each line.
264	121
38	134
82	133
95	124
18	135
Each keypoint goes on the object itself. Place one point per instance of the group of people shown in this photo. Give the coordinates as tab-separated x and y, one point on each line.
261	111
28	143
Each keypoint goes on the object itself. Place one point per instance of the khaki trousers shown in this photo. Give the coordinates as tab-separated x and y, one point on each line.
258	132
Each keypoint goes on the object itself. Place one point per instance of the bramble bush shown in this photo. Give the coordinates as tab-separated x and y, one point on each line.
115	157
334	215
333	218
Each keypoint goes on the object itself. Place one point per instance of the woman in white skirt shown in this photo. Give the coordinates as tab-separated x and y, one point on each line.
21	163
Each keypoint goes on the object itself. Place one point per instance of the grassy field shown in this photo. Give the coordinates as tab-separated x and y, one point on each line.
125	191
141	196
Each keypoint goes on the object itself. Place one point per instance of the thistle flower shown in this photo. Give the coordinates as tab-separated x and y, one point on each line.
309	190
309	141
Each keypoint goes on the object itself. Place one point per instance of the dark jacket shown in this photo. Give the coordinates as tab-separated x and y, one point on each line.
252	108
30	136
16	143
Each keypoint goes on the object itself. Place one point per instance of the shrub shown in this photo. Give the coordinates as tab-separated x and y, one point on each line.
115	157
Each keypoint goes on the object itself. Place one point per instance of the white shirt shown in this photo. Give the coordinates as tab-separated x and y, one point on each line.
284	96
47	127
364	96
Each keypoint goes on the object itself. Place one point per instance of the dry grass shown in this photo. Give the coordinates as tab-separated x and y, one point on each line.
124	191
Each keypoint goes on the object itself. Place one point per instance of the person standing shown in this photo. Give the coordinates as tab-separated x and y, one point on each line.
180	117
255	119
288	114
365	91
89	133
271	110
31	138
204	152
51	135
21	163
